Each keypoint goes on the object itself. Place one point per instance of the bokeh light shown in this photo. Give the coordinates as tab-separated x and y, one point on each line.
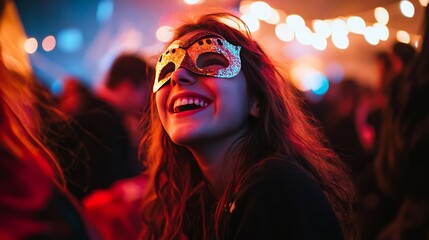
192	2
245	7
319	42
339	27
251	21
70	40
304	36
48	44
261	10
356	24
340	41
31	45
371	35
284	32
322	28
403	36
275	17
320	84
382	31
381	15
295	22
104	10
407	8
57	87
424	3
164	33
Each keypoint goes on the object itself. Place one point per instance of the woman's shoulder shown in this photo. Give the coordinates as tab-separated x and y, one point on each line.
282	199
286	185
281	174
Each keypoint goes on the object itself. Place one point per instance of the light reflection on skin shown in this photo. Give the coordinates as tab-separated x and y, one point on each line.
209	131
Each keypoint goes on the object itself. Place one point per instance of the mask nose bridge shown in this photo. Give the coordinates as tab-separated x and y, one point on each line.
186	62
183	70
182	76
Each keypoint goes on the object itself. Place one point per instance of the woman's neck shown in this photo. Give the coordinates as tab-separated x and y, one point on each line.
214	159
215	163
215	169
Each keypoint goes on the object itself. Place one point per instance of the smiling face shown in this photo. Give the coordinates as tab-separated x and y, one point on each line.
197	110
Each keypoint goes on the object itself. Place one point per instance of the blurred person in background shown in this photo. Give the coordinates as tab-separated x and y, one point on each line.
376	207
340	122
104	122
385	72
94	148
401	165
127	89
392	65
115	210
34	203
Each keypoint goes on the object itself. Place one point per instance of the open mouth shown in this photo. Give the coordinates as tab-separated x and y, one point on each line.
188	103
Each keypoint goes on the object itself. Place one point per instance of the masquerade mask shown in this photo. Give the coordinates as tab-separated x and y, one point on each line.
206	53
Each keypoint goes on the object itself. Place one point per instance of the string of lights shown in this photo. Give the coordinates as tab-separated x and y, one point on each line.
316	32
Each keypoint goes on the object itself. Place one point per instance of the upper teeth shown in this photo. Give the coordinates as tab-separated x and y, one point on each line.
186	101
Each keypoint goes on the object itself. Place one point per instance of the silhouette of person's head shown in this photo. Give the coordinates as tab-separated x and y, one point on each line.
129	82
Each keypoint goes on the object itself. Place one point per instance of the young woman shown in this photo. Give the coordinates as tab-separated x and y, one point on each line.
232	155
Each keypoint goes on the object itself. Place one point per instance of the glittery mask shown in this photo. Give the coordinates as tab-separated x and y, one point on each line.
206	53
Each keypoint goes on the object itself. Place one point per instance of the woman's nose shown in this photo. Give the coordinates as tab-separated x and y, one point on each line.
182	76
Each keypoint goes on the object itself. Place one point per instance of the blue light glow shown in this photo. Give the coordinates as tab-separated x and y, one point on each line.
322	87
70	40
57	87
104	10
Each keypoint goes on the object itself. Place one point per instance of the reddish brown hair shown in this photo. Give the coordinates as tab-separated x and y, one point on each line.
283	131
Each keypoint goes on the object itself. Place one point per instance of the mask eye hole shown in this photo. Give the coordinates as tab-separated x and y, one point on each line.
166	71
212	60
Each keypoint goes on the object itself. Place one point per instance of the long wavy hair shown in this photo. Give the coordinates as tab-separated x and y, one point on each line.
282	132
21	124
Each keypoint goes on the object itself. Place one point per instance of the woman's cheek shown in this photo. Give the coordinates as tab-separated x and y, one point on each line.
161	104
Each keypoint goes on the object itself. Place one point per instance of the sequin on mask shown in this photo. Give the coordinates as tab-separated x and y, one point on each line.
186	54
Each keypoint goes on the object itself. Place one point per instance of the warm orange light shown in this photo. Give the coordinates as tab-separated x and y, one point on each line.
403	36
